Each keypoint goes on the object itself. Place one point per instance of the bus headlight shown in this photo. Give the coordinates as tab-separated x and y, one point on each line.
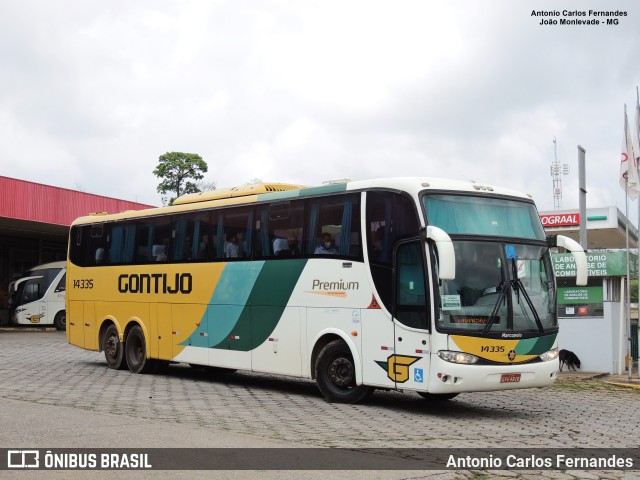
550	355
457	357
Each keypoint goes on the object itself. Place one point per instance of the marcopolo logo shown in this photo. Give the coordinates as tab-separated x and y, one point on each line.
155	283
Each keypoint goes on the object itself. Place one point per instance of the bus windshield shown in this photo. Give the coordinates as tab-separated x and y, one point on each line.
474	215
499	288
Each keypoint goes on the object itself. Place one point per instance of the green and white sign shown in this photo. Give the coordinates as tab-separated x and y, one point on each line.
580	295
599	264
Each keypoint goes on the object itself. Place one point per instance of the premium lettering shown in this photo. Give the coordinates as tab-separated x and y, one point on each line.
155	283
340	285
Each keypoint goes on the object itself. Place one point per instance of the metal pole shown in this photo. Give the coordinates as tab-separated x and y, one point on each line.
627	301
582	185
638	236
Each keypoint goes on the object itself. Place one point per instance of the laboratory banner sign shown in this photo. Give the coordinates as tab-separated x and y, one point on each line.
599	264
580	295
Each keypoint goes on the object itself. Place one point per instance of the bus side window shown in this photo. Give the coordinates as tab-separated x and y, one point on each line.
62	284
159	241
235	233
98	244
190	237
334	226
122	246
411	293
389	216
279	230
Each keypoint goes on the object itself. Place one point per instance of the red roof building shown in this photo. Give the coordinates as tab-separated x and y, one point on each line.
35	202
34	224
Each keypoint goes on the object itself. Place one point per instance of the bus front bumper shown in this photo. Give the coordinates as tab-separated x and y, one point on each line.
449	377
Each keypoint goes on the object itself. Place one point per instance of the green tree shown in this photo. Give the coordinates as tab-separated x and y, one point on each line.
177	170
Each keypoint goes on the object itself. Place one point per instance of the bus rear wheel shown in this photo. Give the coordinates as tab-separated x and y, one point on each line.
336	374
60	321
113	348
135	349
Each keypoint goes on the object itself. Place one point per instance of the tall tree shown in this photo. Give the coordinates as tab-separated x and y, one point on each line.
176	170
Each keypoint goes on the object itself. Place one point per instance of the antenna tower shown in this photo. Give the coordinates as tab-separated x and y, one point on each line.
556	173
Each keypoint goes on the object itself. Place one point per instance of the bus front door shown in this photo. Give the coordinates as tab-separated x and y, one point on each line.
409	365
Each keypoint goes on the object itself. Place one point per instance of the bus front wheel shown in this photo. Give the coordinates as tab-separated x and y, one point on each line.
60	321
336	374
113	348
135	349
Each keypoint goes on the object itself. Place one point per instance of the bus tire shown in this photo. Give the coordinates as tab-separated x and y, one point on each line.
336	374
437	397
135	349
60	321
113	348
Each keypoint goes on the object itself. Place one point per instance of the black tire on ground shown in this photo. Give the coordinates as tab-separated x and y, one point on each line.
336	375
113	348
437	397
135	350
60	322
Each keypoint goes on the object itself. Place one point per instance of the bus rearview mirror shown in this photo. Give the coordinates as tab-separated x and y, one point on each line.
446	254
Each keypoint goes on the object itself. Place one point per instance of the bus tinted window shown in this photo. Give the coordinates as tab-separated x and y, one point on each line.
389	216
468	214
334	226
190	237
280	230
235	231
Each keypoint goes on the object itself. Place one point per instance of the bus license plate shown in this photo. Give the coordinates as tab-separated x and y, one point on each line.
510	378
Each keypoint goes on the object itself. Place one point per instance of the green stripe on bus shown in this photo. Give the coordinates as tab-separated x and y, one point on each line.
266	303
535	346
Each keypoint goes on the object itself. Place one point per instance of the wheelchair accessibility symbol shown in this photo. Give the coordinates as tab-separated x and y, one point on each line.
418	375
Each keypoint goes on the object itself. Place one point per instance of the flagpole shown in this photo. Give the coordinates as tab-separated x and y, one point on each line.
638	230
627	302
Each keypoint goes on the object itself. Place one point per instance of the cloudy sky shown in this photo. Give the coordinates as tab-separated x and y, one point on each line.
92	92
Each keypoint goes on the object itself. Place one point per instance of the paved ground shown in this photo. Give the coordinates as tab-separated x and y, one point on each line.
52	392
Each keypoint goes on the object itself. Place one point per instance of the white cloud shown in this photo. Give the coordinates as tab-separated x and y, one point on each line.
93	92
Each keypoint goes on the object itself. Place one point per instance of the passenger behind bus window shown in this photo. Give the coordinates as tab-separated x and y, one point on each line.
232	246
325	246
376	243
203	247
292	249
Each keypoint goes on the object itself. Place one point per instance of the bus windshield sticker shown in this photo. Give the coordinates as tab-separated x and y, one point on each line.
510	251
451	302
473	319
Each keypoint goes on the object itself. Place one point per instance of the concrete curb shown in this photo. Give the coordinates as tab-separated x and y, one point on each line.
625	385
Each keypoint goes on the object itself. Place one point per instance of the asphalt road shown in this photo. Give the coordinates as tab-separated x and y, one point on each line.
54	395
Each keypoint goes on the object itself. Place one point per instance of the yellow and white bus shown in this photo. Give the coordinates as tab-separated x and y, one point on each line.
424	284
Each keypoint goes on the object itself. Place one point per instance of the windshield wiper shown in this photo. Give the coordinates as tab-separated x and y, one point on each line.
503	287
519	287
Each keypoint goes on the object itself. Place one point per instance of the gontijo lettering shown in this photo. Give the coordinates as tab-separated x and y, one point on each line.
155	283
